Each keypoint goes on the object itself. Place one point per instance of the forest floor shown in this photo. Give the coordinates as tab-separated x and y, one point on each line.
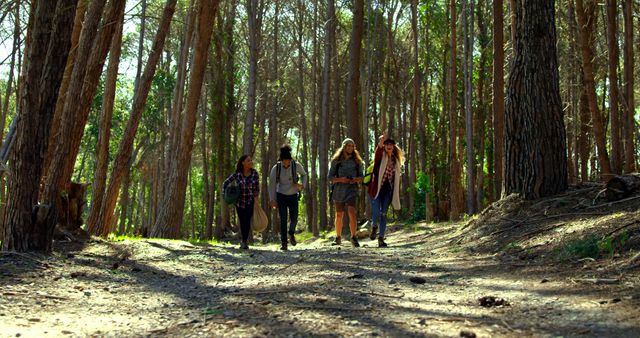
562	266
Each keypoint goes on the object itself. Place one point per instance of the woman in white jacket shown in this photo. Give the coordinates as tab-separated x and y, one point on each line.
384	188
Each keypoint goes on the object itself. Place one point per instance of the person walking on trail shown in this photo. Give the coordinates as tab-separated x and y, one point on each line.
385	185
345	176
247	180
286	182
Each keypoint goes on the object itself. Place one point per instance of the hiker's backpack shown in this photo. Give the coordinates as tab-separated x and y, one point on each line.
368	174
232	193
293	170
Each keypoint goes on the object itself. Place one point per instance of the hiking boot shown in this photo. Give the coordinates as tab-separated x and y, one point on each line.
338	241
292	239
284	247
354	242
374	232
244	246
381	243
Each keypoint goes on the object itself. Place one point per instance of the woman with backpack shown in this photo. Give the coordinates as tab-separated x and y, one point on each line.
385	185
246	179
345	175
286	181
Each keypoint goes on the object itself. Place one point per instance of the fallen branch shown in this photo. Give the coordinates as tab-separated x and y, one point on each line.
623	226
260	292
383	295
608	204
294	263
337	308
598	280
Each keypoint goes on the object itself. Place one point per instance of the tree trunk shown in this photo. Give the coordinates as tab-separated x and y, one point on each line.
587	68
125	148
353	85
254	29
622	186
415	106
455	188
612	44
175	114
143	29
24	225
467	16
535	163
308	196
498	97
104	135
323	141
4	108
481	119
81	11
629	122
172	208
82	87
206	175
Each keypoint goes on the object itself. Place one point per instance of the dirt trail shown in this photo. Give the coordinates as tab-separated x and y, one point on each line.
173	288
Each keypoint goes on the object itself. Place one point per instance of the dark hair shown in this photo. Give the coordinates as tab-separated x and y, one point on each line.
389	141
239	166
285	153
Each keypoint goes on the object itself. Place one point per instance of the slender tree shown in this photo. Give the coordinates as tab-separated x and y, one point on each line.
629	101
172	208
587	69
498	97
124	154
612	46
104	134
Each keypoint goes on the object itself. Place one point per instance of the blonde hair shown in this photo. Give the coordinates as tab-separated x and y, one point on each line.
340	155
398	154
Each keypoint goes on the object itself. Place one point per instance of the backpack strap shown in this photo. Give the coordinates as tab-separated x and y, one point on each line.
294	172
278	169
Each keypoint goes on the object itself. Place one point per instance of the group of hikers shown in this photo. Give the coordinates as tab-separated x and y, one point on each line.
288	178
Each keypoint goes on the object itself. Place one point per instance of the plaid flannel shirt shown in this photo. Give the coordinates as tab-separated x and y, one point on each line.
249	187
389	172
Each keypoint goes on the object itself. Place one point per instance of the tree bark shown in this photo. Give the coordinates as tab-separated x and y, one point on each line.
467	8
172	209
587	68
252	7
353	85
455	188
24	226
104	135
415	106
535	163
122	158
498	97
323	141
612	44
629	101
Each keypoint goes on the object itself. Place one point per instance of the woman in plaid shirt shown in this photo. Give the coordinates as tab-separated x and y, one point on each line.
247	179
385	185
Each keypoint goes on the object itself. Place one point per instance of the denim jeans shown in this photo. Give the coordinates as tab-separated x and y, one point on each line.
287	204
379	207
244	215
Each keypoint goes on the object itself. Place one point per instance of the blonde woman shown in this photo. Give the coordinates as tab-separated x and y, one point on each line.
345	176
385	185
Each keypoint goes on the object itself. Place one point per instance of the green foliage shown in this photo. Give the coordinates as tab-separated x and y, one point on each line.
593	246
420	190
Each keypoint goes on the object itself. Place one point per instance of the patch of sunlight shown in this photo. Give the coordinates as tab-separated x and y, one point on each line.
304	236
